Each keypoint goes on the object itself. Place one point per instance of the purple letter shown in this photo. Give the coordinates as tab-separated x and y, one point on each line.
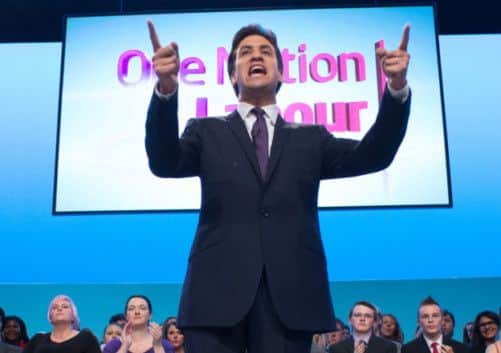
186	70
201	107
222	57
123	66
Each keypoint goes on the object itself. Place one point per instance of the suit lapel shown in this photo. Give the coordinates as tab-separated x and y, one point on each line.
279	139
237	126
423	346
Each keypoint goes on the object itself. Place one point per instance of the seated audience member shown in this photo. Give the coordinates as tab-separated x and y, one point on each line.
494	347
430	318
174	335
139	335
111	331
336	336
14	331
390	329
66	335
169	320
448	324
362	340
118	319
468	333
7	348
485	331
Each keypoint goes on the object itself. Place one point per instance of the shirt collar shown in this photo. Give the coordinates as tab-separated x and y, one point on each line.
429	341
358	338
244	109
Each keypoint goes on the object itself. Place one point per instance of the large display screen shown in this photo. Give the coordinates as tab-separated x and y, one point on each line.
331	77
147	248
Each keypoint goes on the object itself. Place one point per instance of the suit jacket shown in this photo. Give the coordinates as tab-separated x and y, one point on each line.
419	345
248	225
375	345
7	348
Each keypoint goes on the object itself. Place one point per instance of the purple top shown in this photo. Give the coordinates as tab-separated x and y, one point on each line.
114	345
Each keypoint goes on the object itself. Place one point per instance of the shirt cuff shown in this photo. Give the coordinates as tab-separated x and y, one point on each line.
162	96
399	94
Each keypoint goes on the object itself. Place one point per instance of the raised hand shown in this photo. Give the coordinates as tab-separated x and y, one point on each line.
156	333
126	337
165	62
395	62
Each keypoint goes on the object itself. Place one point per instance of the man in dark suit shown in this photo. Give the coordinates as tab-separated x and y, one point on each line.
363	340
256	277
430	319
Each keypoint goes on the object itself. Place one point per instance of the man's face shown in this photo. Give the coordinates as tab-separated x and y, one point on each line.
256	68
430	319
447	325
362	319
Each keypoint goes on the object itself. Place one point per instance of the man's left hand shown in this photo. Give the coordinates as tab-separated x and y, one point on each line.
395	62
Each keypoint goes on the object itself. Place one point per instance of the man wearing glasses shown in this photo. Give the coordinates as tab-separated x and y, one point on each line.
362	339
430	319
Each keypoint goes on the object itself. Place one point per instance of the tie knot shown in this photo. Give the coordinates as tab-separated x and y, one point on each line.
434	344
258	112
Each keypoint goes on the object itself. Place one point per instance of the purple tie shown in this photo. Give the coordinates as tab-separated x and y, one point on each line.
259	134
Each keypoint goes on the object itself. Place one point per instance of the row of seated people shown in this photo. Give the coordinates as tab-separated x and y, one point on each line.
371	332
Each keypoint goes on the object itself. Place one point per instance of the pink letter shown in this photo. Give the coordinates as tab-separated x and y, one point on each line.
287	58
230	107
338	116
359	66
306	113
354	114
331	67
123	66
186	70
201	108
303	70
222	58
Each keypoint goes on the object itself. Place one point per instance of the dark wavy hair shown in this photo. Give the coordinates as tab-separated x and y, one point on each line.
397	334
477	339
144	297
23	332
244	32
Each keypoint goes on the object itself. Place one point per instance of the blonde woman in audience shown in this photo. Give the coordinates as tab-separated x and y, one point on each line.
139	334
66	335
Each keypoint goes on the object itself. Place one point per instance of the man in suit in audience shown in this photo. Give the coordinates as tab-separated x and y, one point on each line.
7	348
430	319
362	340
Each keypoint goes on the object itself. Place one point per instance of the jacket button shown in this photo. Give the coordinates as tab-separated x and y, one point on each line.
265	212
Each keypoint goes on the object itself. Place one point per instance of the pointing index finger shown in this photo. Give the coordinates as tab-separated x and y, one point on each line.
153	36
405	38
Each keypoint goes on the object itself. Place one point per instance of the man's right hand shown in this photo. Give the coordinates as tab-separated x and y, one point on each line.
165	62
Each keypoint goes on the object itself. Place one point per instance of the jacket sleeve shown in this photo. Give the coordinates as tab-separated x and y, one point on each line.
168	154
375	152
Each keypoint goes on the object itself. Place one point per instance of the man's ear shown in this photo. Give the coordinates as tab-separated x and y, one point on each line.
233	78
